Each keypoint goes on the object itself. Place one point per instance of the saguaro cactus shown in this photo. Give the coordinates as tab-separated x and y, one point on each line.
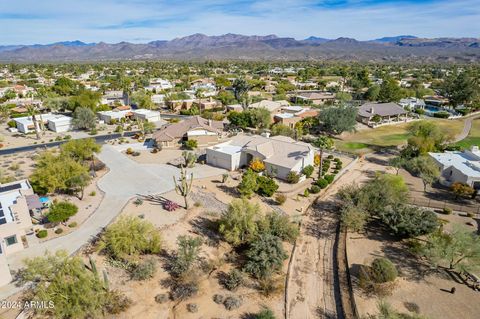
183	186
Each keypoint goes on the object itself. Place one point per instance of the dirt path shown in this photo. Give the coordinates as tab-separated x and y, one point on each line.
313	285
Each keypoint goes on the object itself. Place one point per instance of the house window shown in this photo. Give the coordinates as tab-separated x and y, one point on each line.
11	240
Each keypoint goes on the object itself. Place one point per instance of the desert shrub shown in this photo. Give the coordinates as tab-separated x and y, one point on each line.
308	171
192	307
248	185
322	183
329	178
12	123
58	231
447	211
138	201
72	224
293	177
129	237
238	224
116	302
42	233
233	279
232	303
129	151
170	206
353	218
264	314
186	255
306	192
383	270
92	193
265	256
144	270
161	298
280	199
409	221
315	189
218	299
183	290
330	157
266	186
279	225
270	286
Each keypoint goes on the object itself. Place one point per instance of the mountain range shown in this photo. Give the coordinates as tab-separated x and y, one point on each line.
241	47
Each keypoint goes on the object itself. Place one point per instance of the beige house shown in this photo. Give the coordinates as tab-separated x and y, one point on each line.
16	201
205	132
375	114
317	98
280	154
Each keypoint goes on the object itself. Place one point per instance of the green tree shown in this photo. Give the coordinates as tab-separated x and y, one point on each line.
426	136
266	186
238	224
80	150
86	98
425	168
260	117
129	237
389	91
458	250
240	90
74	291
282	129
265	256
143	100
226	97
409	221
60	212
353	218
323	142
461	88
397	162
336	120
279	225
84	119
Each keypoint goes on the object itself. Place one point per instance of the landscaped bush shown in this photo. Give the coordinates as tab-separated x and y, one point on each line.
218	299
266	186
409	221
442	114
72	224
12	123
257	165
129	151
306	192
280	226
265	256
183	290
322	183
315	189
330	157
170	206
280	199
293	178
447	211
58	231
161	298
264	314
308	171
144	270
191	144
192	307
42	233
329	178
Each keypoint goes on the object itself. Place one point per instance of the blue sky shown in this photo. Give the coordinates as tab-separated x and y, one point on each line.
46	21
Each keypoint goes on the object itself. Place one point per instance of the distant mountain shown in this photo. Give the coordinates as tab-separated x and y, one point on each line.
242	47
394	39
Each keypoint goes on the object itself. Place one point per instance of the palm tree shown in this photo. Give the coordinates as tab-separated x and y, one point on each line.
32	112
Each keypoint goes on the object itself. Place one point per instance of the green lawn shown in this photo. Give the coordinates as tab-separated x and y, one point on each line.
473	138
367	140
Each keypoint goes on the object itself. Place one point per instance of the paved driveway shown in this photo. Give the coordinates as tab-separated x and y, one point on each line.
125	180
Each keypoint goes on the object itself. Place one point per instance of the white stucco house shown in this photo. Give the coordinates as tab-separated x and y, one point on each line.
60	123
463	167
280	154
146	115
54	122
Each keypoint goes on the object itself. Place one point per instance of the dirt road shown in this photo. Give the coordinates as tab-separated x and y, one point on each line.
313	287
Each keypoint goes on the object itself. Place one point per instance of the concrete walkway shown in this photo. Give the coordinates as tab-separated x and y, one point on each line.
466	128
125	180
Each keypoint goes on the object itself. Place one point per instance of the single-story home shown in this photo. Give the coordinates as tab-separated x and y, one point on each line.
272	106
60	123
462	167
146	115
25	124
205	132
114	115
280	154
412	103
317	98
374	114
113	97
291	115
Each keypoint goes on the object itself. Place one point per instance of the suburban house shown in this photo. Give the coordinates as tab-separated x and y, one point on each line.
146	115
317	98
113	97
412	103
272	106
436	100
158	85
235	107
291	115
16	201
280	154
115	115
55	122
176	105
204	131
462	167
374	114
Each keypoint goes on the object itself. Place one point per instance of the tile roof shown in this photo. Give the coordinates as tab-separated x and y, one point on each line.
177	130
381	109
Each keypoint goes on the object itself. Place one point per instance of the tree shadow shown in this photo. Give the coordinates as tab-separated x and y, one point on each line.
154	199
319	226
229	190
206	228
